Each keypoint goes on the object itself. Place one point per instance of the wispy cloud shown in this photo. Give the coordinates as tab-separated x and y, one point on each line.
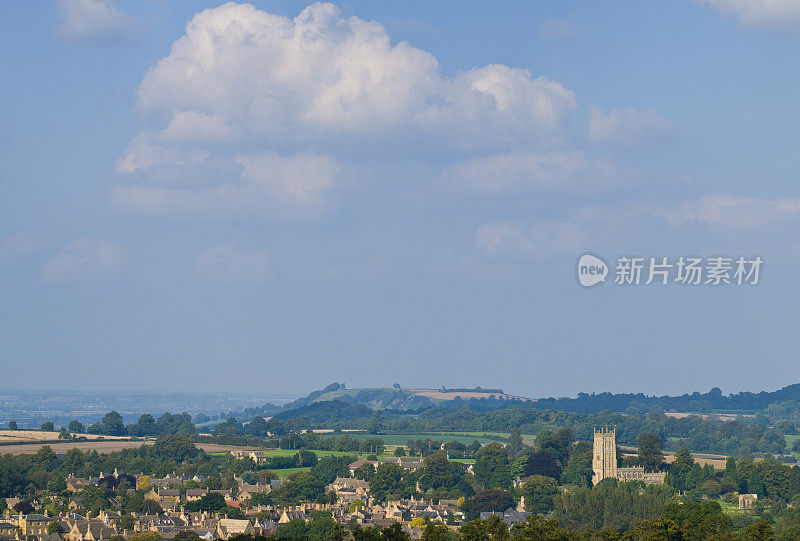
21	244
732	211
625	126
721	217
508	240
758	12
524	171
226	263
85	259
96	21
558	29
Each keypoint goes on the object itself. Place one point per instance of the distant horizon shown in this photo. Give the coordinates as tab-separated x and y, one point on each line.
288	397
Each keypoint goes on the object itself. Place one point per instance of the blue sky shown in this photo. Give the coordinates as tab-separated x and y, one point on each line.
238	197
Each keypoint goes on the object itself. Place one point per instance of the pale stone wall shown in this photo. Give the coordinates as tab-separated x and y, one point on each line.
604	462
604	459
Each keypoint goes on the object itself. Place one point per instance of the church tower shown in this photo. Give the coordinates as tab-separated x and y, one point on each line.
604	459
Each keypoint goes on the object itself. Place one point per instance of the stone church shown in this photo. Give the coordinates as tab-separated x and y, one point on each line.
604	462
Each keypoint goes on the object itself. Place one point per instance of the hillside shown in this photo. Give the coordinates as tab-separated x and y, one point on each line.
399	399
415	400
711	402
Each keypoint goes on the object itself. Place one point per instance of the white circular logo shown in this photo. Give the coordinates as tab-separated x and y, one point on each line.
591	270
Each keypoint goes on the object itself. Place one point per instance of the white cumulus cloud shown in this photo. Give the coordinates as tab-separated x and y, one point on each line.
99	21
226	263
242	83
624	126
85	259
758	12
290	187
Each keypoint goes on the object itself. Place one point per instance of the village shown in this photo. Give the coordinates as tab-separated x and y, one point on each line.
253	503
354	504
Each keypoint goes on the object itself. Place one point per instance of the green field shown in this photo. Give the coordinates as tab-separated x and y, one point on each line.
728	507
286	472
789	442
402	439
292	452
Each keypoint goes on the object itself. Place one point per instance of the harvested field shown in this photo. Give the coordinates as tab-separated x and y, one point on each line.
61	448
102	447
32	436
713	416
718	461
439	395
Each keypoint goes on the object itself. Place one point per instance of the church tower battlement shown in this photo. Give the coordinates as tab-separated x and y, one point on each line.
604	459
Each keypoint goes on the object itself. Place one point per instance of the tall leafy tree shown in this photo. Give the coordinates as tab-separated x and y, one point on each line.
650	451
493	499
515	442
542	463
439	473
681	469
492	468
558	443
258	427
539	493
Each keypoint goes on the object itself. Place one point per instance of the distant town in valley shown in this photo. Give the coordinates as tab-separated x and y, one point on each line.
394	462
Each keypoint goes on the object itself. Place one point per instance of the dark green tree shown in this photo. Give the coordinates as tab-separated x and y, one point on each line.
558	443
395	532
294	530
330	467
365	472
177	447
515	442
211	502
323	528
542	463
539	493
186	535
438	472
492	468
493	499
152	507
650	452
681	468
760	531
578	470
258	427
